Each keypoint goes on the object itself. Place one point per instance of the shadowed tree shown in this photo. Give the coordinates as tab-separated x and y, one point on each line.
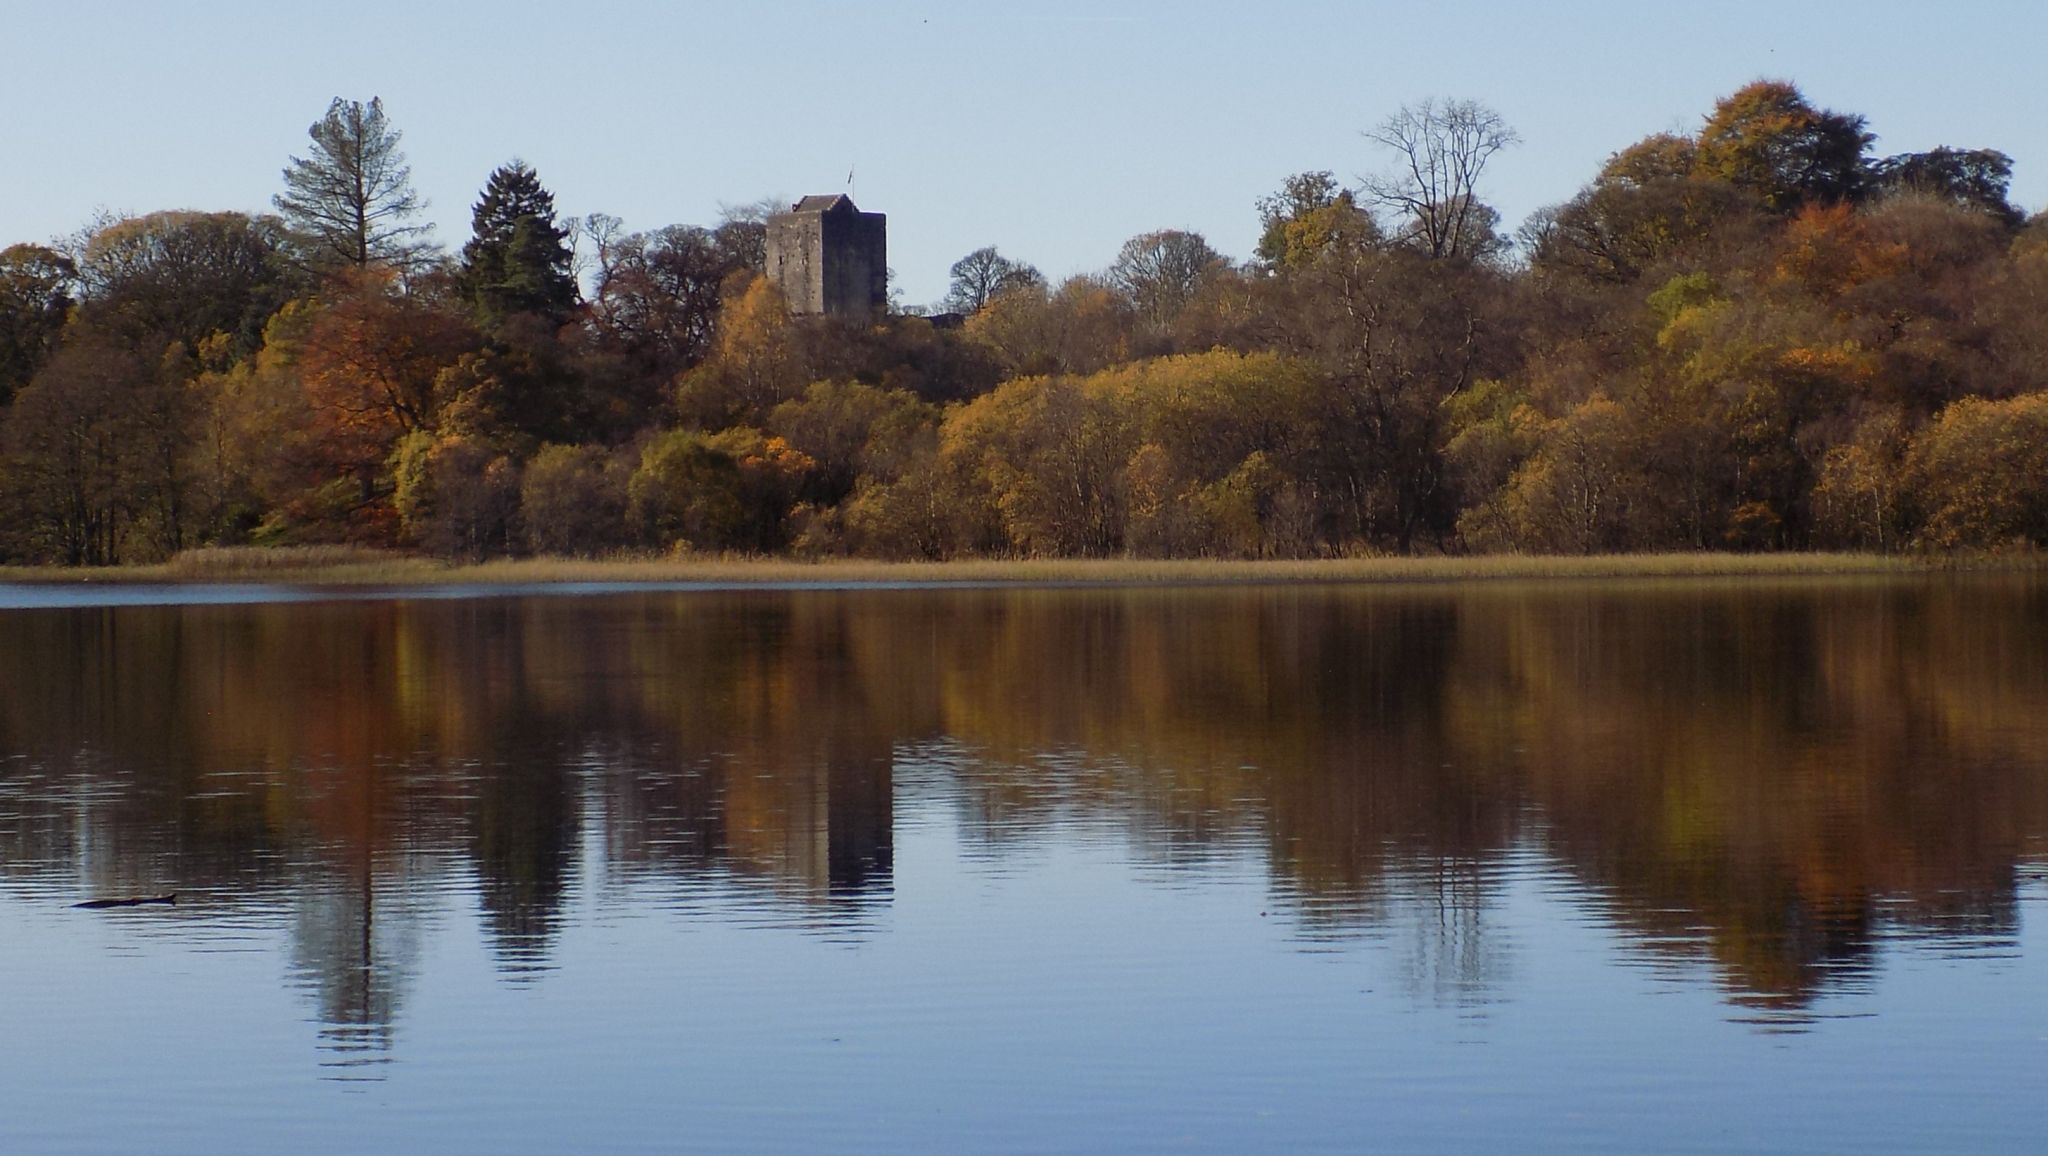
656	296
1158	273
1972	178
90	448
352	195
1769	139
1647	206
742	230
184	276
982	274
36	294
518	258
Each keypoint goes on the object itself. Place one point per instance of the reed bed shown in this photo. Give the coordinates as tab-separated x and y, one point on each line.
355	566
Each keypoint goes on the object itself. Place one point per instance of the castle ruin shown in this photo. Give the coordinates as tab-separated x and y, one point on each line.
829	257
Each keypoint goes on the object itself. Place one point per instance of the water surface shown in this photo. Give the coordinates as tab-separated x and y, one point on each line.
1680	865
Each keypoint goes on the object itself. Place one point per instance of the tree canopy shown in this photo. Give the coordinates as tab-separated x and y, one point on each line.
1751	336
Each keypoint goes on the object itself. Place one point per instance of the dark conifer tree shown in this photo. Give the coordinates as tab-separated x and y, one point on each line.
518	258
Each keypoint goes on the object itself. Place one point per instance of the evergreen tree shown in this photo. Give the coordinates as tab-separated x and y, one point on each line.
518	258
352	198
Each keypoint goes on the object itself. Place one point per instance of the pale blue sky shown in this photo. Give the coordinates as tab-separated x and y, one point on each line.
1053	130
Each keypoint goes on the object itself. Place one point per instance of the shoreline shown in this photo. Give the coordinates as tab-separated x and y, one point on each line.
322	567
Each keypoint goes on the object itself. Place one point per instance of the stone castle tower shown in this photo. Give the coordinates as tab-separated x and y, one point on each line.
829	257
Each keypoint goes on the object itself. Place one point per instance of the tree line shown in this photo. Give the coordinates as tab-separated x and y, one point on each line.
1760	335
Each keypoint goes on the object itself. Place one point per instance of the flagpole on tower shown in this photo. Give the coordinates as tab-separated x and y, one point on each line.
851	192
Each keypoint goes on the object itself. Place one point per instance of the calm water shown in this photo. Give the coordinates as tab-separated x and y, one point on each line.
1673	867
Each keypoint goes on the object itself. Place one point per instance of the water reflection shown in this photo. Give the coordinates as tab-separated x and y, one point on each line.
1772	782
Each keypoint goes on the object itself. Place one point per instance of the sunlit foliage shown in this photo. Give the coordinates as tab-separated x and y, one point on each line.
1753	336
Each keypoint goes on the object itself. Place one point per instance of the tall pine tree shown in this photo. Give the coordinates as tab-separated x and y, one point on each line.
351	197
518	259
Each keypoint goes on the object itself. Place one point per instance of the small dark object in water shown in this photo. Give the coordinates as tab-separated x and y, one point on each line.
102	904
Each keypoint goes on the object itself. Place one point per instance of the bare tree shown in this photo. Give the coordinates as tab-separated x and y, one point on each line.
352	197
656	296
742	229
1158	273
1441	149
982	274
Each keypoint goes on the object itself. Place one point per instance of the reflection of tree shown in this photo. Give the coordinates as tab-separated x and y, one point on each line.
354	948
1771	780
779	762
1311	726
1780	777
526	821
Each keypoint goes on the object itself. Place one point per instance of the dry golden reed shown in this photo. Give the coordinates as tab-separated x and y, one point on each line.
357	566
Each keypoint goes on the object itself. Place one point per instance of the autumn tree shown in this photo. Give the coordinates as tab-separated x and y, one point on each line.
756	362
162	298
1079	327
1767	138
923	507
656	296
1309	217
91	457
982	274
849	430
1971	178
1441	148
183	277
1646	208
726	491
1160	272
1049	452
373	365
1981	470
37	290
255	449
1225	457
1399	335
351	196
573	500
1573	495
456	495
517	389
1860	498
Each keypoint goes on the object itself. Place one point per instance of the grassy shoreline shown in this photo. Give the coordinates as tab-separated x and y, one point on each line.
336	566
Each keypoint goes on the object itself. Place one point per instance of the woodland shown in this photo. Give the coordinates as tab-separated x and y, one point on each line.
1763	335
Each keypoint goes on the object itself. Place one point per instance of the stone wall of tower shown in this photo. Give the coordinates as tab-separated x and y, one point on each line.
832	260
856	275
796	260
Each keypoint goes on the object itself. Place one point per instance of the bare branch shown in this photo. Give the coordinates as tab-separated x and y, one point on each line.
1442	147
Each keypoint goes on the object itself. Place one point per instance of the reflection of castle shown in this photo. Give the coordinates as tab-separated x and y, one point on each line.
809	814
823	830
829	257
1389	749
